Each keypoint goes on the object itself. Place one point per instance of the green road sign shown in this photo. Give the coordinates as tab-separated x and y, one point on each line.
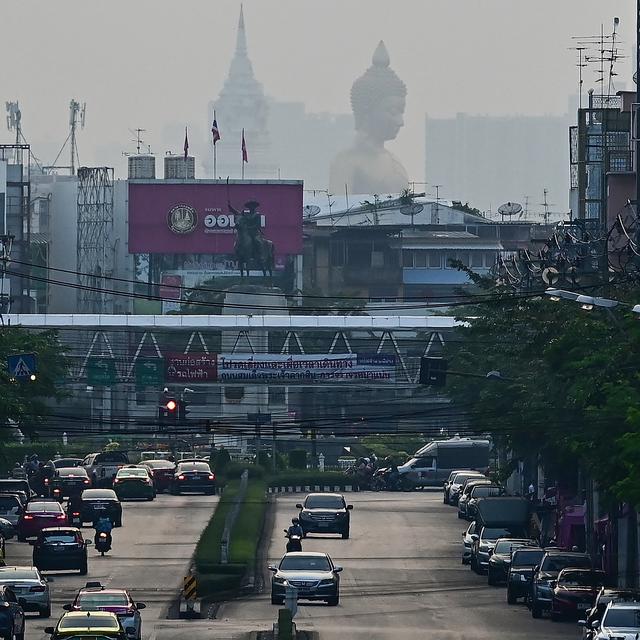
101	372
149	372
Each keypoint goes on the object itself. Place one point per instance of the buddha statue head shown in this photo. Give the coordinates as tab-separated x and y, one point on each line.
378	99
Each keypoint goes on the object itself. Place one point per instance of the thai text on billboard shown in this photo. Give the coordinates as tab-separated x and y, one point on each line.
190	367
306	368
199	218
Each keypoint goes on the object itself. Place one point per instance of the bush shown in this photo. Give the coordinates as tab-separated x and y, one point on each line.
298	459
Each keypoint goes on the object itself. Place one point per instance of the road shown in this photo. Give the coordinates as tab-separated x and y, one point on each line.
150	554
402	579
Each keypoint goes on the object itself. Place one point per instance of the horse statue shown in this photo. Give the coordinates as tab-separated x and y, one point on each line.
251	247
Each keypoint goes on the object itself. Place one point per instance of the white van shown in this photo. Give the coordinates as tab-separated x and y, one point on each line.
431	465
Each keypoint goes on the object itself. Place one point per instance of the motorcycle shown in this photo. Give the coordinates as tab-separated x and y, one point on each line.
74	519
102	542
294	542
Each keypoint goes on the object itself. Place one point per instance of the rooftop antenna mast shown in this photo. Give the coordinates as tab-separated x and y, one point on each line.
545	205
581	65
76	117
14	119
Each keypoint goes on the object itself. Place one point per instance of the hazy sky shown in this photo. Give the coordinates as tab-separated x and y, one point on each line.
156	63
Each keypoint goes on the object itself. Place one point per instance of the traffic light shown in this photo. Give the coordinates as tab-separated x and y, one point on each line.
167	408
433	371
183	411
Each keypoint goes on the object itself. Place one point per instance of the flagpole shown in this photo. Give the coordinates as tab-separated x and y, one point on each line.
215	172
242	147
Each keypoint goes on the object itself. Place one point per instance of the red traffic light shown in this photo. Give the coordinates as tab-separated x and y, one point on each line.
171	405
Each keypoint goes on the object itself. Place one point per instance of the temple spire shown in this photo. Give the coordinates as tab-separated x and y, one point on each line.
241	37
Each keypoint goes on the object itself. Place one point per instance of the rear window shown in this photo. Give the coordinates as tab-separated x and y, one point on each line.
44	507
462	477
7	502
527	558
72	471
92	622
18	485
490	533
62	537
485	492
137	473
194	466
116	457
99	494
18	574
95	600
160	464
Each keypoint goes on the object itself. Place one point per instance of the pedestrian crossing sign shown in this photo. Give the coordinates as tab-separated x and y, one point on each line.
22	365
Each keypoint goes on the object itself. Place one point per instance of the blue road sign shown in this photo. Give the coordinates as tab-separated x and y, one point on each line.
22	365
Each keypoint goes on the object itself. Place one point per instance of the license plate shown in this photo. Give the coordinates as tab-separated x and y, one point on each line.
99	507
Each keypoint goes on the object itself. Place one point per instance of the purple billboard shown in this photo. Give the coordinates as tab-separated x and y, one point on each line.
196	218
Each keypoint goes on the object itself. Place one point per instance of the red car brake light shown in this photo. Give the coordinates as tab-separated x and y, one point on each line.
181	477
86	481
212	476
28	517
61	517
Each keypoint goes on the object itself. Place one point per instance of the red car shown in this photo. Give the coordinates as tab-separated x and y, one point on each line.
162	473
39	514
575	591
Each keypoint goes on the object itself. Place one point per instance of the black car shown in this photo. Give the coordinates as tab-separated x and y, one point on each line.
545	574
193	477
500	558
520	574
68	481
313	574
98	502
325	513
18	487
11	615
65	463
59	548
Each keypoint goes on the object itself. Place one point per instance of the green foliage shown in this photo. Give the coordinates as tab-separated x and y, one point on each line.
25	402
298	459
569	389
398	448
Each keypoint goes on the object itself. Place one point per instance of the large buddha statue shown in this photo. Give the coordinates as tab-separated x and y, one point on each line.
378	102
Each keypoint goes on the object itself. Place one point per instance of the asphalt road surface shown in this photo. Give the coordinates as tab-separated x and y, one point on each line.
402	579
150	554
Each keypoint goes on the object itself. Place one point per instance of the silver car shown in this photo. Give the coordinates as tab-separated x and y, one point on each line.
467	541
28	585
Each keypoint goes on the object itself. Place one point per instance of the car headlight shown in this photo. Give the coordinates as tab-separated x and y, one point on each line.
327	582
305	514
279	580
523	578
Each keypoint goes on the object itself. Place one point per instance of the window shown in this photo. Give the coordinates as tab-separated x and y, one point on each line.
476	259
336	252
435	259
233	394
407	258
277	396
489	259
420	259
449	256
359	254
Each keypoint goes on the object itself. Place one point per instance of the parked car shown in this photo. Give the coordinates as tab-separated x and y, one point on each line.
134	482
103	466
11	615
325	513
575	592
29	586
546	573
500	558
10	507
313	574
467	541
479	492
604	597
193	477
96	502
466	491
620	620
119	601
93	625
68	481
38	515
162	472
484	543
447	484
523	562
59	548
457	483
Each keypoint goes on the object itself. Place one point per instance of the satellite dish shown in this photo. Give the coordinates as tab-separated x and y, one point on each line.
550	275
311	210
509	209
411	209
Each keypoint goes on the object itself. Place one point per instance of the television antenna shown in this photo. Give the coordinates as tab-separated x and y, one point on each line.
412	210
14	118
311	210
77	114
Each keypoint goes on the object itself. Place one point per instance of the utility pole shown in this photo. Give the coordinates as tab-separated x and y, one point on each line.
637	133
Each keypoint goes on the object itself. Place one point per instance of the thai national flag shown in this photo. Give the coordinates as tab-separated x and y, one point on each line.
245	157
215	132
186	144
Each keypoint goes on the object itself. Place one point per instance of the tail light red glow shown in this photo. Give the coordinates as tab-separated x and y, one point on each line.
86	481
181	478
28	517
61	517
212	476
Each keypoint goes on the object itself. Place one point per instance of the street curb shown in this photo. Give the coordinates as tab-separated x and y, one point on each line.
345	488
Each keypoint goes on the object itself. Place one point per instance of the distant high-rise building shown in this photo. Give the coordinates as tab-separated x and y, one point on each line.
488	160
242	105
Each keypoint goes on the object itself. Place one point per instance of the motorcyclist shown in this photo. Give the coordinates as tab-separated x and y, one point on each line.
18	472
74	504
103	525
295	529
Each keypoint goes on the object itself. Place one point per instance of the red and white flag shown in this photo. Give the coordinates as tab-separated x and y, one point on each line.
186	143
245	157
215	132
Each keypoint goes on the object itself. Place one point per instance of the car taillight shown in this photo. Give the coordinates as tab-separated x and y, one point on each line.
38	589
28	517
181	478
116	481
46	481
86	481
61	517
212	476
103	535
75	513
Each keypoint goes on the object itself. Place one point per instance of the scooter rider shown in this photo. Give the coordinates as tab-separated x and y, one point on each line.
103	525
294	533
295	529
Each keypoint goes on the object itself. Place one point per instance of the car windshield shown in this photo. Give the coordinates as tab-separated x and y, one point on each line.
505	547
8	574
581	579
324	502
96	600
558	563
493	534
95	494
461	478
44	507
57	538
132	473
527	558
305	563
72	471
92	622
622	618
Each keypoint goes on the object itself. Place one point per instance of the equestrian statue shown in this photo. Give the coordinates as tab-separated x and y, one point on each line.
251	247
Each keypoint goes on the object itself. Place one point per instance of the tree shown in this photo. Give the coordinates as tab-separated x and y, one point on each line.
24	403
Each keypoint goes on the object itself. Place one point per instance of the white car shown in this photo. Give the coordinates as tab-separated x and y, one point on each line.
28	585
621	620
467	541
